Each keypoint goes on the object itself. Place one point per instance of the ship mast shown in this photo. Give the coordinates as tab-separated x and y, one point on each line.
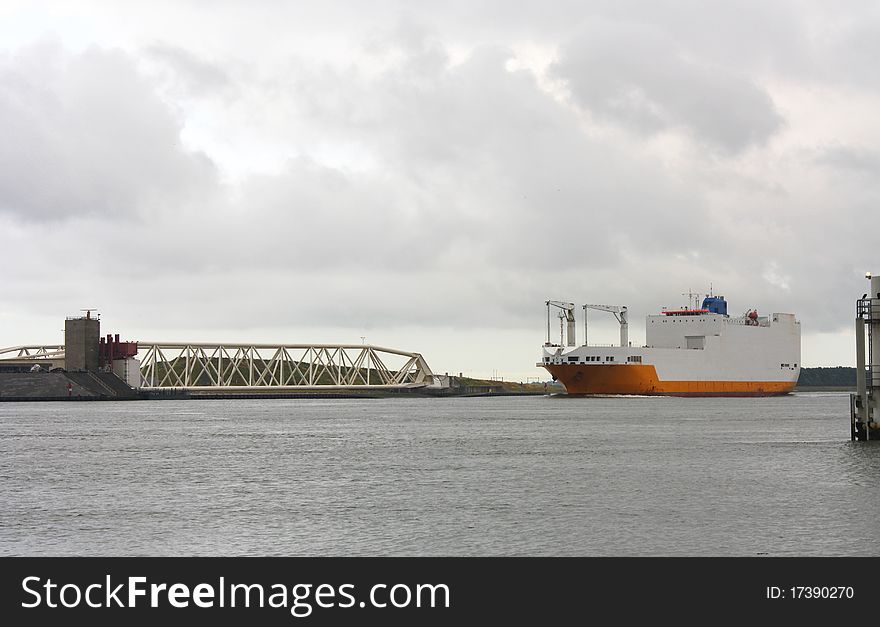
692	298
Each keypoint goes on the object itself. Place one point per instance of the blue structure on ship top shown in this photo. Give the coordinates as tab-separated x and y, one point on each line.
715	304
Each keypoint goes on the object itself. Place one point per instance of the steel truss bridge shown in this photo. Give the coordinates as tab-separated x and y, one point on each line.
261	367
33	353
254	367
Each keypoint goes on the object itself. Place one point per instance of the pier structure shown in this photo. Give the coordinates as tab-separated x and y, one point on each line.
865	403
205	368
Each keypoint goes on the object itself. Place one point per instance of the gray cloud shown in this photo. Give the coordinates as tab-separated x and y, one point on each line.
853	159
201	188
638	76
471	164
86	134
191	75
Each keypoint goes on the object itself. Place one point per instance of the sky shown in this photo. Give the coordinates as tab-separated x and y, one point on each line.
425	176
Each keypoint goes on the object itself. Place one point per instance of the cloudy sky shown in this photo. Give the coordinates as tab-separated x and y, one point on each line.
426	177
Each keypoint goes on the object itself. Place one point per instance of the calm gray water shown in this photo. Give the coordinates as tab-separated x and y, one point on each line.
461	476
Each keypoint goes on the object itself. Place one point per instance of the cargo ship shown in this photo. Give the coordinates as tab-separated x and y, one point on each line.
691	351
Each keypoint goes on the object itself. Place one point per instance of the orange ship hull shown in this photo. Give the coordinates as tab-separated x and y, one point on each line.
642	379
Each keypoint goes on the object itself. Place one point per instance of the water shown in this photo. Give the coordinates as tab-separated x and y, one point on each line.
460	476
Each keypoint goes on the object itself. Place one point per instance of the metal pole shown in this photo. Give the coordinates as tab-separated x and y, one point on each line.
861	391
153	367
585	325
548	321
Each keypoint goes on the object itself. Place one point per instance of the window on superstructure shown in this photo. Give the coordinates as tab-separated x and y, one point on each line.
572	359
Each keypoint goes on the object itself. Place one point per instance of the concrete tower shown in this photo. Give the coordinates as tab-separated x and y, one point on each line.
81	337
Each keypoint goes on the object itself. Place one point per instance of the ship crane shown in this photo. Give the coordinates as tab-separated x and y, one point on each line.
619	314
566	314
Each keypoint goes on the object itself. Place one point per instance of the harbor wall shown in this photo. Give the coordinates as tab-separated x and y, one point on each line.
63	386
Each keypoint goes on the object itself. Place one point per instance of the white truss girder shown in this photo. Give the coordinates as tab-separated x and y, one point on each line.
32	352
200	366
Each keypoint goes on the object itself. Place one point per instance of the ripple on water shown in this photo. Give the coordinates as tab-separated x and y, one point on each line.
464	476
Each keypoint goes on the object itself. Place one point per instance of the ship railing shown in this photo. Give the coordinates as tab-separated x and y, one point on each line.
747	322
872	377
